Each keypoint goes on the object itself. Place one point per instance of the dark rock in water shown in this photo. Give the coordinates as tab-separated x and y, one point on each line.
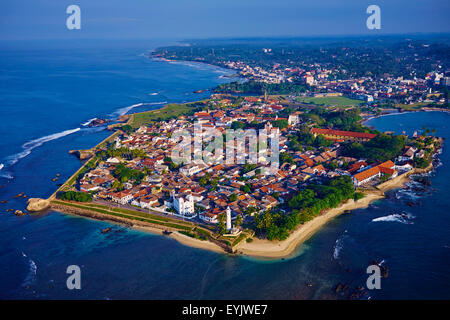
4	201
338	287
98	122
424	180
19	213
19	195
384	271
106	230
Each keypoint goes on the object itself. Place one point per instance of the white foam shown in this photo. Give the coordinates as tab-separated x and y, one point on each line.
30	145
31	276
1	166
125	110
88	122
395	218
338	246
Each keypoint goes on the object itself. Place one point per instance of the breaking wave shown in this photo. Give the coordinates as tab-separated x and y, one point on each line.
338	246
396	217
30	145
88	122
31	276
125	110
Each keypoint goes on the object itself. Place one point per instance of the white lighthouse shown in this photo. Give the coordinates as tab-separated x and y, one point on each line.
228	219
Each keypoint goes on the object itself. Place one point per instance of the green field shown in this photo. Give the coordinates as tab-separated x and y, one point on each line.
411	107
340	102
169	111
130	214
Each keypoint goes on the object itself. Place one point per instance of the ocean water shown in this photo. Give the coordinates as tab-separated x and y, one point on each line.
48	91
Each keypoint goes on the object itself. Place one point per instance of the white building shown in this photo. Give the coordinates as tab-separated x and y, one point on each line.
191	169
184	205
228	224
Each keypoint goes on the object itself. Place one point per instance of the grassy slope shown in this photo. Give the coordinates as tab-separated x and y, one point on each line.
331	101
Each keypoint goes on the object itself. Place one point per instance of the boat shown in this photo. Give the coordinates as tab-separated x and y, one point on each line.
167	232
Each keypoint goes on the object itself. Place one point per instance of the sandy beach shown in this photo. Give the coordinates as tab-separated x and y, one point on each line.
259	247
280	249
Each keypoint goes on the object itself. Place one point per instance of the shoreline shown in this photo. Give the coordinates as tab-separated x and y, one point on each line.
423	109
139	225
258	248
264	248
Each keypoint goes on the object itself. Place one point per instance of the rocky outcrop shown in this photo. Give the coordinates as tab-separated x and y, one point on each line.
123	118
98	122
19	213
37	204
82	154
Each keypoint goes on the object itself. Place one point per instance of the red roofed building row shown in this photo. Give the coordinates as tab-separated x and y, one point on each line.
374	172
343	135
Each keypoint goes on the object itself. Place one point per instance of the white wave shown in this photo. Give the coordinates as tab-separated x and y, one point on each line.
38	142
402	218
31	276
88	122
338	246
30	145
337	249
125	110
1	166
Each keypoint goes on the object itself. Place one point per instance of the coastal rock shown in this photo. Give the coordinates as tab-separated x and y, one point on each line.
37	204
114	126
123	118
98	122
81	154
19	213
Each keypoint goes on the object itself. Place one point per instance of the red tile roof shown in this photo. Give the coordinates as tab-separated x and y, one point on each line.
360	135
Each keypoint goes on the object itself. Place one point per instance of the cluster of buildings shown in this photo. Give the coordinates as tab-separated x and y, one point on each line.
204	192
326	81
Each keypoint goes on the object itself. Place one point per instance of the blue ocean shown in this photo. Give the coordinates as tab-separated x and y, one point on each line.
48	94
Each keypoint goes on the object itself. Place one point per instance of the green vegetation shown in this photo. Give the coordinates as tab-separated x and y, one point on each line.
281	124
340	102
305	138
169	111
259	88
124	174
306	205
381	148
358	195
123	152
76	196
422	163
127	128
131	214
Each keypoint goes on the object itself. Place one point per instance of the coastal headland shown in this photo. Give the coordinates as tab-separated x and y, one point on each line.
197	236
